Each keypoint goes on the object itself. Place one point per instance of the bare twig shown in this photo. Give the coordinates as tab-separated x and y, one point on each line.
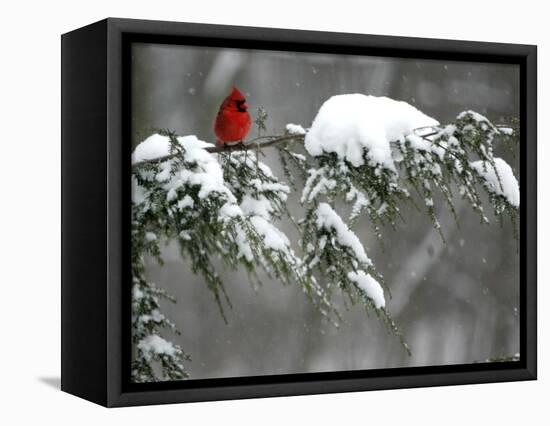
271	140
427	135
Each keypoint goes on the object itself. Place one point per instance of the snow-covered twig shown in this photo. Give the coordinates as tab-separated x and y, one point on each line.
267	141
252	144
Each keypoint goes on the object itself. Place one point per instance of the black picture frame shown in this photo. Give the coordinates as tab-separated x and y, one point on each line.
95	212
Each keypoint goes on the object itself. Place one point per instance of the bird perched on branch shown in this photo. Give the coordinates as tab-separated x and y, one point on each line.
233	121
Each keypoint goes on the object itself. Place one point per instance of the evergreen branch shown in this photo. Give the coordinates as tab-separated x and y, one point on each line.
274	140
254	143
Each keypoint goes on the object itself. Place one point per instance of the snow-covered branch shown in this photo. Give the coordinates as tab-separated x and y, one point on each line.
364	152
254	144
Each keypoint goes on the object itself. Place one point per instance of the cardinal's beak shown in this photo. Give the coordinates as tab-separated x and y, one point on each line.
245	106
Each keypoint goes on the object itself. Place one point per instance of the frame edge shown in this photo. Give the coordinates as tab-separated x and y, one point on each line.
83	222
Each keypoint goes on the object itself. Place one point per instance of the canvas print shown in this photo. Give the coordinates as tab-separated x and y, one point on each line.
300	212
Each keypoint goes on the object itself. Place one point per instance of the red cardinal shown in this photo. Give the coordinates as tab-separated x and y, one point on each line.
233	121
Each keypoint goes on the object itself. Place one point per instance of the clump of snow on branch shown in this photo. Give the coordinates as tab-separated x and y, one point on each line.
328	219
295	129
370	286
155	346
155	146
354	125
206	172
499	179
508	131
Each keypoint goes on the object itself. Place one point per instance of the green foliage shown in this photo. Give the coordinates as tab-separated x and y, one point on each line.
214	209
261	119
295	165
147	324
445	161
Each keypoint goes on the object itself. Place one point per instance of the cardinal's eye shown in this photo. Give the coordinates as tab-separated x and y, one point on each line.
241	105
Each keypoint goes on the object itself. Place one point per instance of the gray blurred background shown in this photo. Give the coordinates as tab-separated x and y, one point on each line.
455	303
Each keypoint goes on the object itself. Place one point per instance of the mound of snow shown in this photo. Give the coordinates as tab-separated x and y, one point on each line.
350	125
328	219
370	286
203	171
153	344
295	129
508	186
157	146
